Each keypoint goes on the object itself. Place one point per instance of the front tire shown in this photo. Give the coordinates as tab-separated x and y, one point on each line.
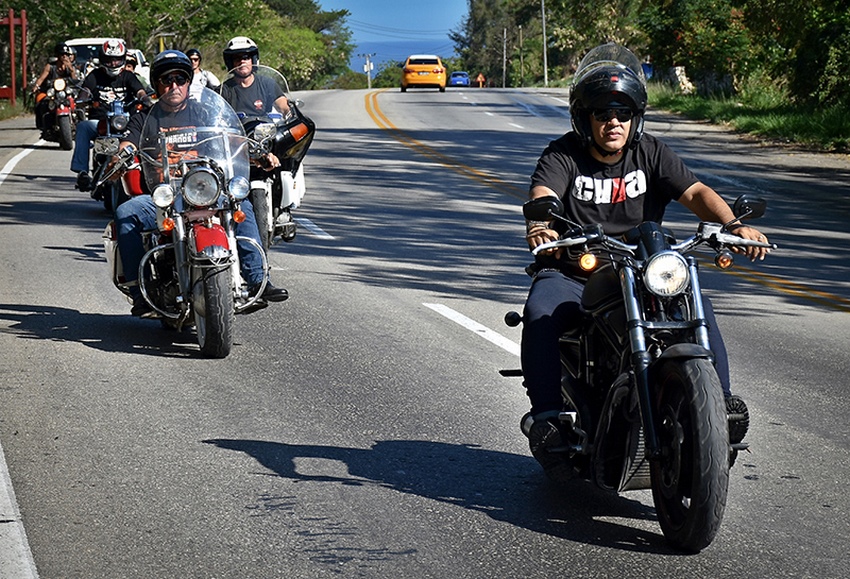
260	201
214	314
690	481
66	136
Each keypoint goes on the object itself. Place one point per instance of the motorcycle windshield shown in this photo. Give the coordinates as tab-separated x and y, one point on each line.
267	86
204	129
605	55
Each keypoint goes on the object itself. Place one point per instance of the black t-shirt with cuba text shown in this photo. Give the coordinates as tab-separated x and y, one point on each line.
620	196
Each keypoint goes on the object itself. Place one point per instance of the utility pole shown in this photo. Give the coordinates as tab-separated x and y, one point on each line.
367	68
521	67
545	41
504	54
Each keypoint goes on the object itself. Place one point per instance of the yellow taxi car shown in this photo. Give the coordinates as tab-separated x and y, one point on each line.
423	70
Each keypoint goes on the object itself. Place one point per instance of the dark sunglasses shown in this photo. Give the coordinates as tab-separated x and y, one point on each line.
605	115
180	79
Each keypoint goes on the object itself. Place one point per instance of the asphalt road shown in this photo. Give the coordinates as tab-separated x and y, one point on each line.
361	429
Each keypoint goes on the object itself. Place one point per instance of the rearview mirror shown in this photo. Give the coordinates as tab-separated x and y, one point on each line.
542	208
749	207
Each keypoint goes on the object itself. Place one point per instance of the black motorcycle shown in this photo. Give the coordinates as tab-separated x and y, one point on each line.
651	413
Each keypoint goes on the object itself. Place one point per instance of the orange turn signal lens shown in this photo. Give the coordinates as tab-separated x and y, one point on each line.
587	262
724	260
299	131
238	216
167	224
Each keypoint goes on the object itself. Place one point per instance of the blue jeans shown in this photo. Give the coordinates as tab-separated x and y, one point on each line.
86	132
139	214
553	304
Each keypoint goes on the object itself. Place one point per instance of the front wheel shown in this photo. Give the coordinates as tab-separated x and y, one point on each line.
66	133
262	213
214	314
691	478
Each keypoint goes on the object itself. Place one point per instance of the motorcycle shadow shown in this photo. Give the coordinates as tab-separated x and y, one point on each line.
507	487
105	332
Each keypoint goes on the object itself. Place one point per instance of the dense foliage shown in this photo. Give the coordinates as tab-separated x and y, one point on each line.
725	46
308	45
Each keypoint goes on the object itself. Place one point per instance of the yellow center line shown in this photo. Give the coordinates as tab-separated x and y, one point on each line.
776	283
383	122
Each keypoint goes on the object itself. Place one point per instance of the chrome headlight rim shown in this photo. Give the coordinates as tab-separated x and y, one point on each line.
666	274
201	187
163	196
119	123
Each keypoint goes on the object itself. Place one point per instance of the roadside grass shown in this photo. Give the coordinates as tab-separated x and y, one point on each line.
763	115
7	111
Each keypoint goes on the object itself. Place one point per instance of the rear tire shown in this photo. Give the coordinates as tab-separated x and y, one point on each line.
214	314
690	481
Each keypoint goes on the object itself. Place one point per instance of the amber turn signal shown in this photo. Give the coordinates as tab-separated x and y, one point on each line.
724	259
587	262
238	216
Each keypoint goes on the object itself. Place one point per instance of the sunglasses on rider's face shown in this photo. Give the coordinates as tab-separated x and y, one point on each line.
180	79
605	115
241	57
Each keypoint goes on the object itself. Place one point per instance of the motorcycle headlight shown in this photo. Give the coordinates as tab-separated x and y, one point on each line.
59	84
201	187
666	274
163	196
264	131
239	187
119	123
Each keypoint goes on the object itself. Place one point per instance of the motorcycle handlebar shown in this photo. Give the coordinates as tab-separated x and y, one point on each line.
707	233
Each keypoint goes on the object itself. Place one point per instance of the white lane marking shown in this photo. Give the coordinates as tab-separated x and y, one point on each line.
516	125
313	228
15	555
16	159
476	328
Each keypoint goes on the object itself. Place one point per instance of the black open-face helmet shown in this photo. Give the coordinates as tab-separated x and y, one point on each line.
240	45
62	48
167	61
609	76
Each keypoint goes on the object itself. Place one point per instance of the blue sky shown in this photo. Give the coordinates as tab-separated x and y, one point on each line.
393	29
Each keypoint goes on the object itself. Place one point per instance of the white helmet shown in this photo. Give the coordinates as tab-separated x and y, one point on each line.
240	45
113	55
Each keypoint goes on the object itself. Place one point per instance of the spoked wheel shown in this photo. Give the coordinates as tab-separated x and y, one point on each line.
690	481
214	316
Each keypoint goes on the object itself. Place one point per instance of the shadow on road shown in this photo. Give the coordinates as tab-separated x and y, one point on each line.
473	478
109	333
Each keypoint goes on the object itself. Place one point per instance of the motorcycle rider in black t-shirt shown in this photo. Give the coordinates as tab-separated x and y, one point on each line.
607	171
108	82
249	94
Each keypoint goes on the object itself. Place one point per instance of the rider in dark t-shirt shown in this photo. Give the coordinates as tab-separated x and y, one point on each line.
606	171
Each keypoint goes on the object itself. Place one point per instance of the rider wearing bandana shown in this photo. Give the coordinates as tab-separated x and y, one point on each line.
606	171
171	74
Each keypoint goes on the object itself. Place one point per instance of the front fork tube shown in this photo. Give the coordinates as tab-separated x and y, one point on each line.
701	332
640	360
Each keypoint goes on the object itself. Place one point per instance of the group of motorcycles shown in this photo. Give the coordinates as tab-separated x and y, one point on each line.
652	415
190	273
